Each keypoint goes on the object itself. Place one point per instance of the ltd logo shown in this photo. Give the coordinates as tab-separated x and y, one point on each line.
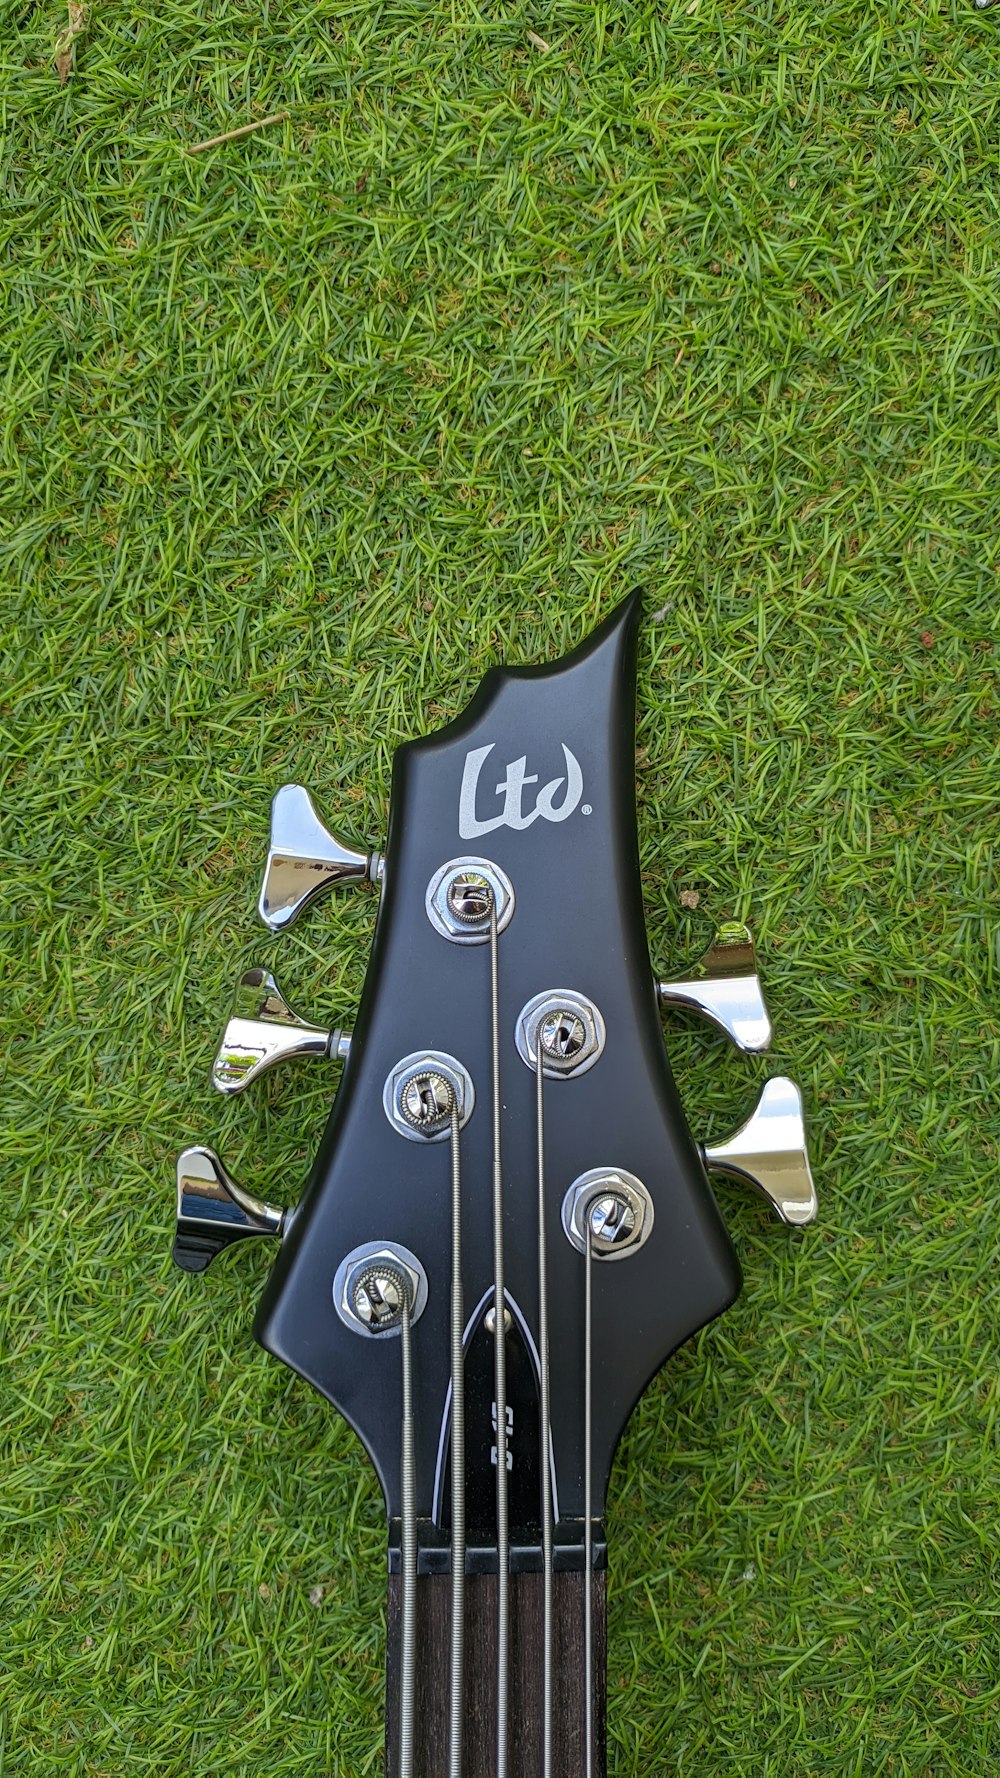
471	825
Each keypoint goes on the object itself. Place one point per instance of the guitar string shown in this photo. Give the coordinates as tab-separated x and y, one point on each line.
457	1456
588	1534
545	1416
409	1559
500	1374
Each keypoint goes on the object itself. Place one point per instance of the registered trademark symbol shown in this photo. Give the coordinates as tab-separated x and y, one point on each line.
585	809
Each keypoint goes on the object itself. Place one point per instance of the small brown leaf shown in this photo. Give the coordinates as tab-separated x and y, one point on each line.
690	898
927	638
64	48
315	1595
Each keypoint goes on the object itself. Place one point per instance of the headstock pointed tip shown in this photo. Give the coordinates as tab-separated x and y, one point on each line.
627	614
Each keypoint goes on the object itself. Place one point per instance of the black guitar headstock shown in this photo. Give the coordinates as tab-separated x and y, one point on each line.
506	1146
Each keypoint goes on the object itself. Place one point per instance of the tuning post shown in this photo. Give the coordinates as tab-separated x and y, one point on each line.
769	1152
379	1295
305	859
214	1211
461	896
724	988
263	1030
612	1221
615	1206
372	1284
426	1101
562	1034
566	1027
422	1092
470	898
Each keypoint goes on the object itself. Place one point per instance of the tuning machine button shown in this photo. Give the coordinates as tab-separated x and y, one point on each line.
769	1152
725	988
305	859
263	1030
214	1210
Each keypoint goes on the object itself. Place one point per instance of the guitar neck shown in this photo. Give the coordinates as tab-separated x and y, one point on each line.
525	1726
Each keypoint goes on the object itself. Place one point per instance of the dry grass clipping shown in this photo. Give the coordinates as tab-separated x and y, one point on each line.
65	48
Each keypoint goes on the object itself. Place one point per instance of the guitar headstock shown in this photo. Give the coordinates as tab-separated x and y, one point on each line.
510	927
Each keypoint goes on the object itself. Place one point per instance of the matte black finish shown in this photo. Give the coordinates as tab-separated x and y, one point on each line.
578	924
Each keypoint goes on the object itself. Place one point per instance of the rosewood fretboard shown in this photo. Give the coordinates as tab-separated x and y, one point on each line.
433	1669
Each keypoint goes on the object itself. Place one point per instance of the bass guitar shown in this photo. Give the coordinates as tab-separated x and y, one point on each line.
508	1226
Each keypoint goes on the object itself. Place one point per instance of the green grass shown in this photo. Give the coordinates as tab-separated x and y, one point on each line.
300	436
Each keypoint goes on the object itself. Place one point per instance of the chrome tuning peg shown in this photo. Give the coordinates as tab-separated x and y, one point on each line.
725	988
263	1030
769	1152
213	1211
305	858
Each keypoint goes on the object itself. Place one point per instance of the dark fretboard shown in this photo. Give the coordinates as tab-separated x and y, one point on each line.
433	1611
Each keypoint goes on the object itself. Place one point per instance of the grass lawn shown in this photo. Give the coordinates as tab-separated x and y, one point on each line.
300	435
